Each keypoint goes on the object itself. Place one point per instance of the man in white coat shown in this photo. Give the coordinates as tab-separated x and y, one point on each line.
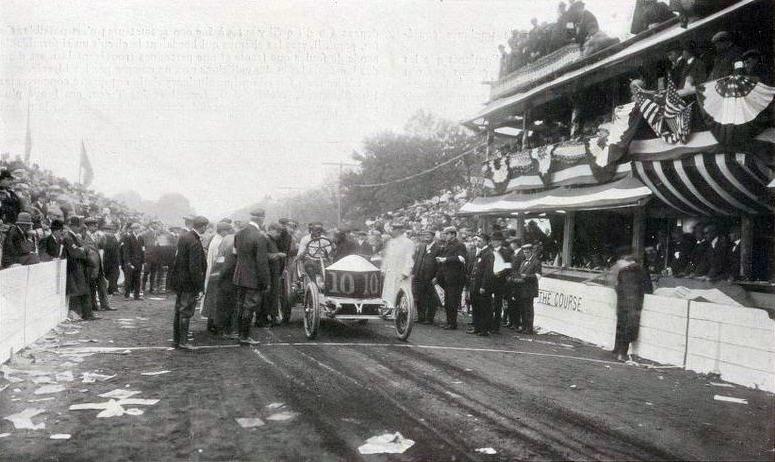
397	263
222	229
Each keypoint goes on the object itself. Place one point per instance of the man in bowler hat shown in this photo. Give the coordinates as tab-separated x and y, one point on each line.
188	279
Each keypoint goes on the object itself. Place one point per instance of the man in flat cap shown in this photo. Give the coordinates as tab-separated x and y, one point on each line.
452	269
251	274
111	258
727	53
133	256
188	279
98	286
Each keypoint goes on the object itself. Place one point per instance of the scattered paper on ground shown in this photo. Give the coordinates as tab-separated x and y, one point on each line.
23	420
40	399
3	435
389	443
66	376
155	373
42	379
60	436
730	399
282	416
486	451
91	377
46	389
275	405
724	385
249	422
120	393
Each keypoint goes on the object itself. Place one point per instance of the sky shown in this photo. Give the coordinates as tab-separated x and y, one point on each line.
227	102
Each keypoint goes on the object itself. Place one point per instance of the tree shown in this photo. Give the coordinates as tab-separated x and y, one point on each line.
425	143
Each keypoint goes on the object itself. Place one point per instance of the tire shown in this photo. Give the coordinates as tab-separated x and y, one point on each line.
311	311
404	315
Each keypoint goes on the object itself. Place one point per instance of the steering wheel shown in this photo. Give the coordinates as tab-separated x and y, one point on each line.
318	247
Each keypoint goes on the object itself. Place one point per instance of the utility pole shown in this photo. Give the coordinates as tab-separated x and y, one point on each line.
339	189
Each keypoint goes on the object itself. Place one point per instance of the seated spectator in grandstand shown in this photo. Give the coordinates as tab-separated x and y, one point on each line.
584	21
648	14
50	247
503	69
727	54
20	246
10	203
517	45
681	251
692	70
754	67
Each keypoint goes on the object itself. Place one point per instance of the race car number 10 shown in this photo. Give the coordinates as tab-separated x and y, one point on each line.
357	284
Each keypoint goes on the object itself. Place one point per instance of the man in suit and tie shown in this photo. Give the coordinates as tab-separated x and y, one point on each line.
502	256
98	285
480	283
452	266
526	287
423	274
110	257
188	279
364	247
133	256
251	274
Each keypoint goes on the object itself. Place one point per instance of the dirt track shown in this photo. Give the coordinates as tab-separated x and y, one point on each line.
546	397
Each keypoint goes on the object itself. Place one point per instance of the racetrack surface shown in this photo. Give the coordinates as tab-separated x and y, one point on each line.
544	397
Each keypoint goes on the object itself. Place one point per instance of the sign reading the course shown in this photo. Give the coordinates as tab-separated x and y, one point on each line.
560	300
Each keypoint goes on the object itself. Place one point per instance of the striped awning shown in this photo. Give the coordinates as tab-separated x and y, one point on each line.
627	192
709	184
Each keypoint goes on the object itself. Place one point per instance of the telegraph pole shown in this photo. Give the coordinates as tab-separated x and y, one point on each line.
341	165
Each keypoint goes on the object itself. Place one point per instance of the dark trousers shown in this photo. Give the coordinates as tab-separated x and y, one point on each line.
514	315
132	281
226	308
151	277
424	299
482	312
452	294
248	302
526	313
185	304
621	346
112	278
81	304
270	302
98	289
499	295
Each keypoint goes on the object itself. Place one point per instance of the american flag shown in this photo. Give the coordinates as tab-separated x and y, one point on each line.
677	115
666	113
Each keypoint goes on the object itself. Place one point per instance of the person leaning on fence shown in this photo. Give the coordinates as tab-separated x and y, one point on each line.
632	284
188	279
77	287
50	247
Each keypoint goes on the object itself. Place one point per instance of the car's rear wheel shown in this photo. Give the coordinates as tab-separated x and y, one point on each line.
404	315
311	311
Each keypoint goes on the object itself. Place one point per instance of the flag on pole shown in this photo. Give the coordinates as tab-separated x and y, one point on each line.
28	138
88	173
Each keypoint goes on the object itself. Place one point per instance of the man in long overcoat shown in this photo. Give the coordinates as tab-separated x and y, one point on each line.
188	279
632	283
251	275
452	266
423	274
77	287
133	253
480	283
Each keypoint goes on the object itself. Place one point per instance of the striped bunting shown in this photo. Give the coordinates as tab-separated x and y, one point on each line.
708	184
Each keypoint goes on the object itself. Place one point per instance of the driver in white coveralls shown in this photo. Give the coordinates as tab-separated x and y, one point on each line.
397	263
315	232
